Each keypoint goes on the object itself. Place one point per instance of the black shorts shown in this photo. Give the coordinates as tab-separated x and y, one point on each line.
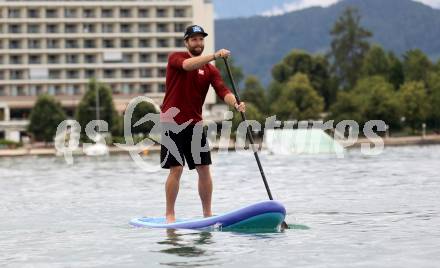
190	145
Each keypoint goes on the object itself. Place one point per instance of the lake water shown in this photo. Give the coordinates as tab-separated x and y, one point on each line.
360	211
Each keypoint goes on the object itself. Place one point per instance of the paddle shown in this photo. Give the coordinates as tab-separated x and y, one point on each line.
251	139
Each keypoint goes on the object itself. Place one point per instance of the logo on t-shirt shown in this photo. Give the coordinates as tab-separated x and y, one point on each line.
201	72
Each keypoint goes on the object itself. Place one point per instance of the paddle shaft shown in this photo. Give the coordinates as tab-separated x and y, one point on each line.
248	130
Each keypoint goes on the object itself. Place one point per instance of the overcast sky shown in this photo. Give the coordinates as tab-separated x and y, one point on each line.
243	8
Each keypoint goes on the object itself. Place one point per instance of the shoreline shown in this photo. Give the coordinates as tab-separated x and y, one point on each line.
113	150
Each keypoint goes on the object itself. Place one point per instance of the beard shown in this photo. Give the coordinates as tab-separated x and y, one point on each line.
196	51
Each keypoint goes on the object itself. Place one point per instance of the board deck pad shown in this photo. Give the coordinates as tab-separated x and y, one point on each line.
265	215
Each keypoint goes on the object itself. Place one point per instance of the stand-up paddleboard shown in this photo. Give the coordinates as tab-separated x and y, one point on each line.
266	215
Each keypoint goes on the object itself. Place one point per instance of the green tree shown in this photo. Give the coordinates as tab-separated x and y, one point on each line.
45	117
274	91
140	111
236	71
297	61
415	103
434	97
117	129
376	62
373	98
298	100
416	66
86	110
315	67
378	100
348	47
347	107
284	109
395	75
254	93
322	81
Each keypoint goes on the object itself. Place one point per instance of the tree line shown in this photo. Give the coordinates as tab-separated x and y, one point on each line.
48	113
354	80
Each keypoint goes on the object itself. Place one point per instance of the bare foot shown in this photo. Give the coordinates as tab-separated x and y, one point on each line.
170	218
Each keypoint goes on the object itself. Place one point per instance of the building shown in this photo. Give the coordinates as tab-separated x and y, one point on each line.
56	47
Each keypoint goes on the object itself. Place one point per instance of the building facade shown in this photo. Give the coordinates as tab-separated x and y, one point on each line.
56	47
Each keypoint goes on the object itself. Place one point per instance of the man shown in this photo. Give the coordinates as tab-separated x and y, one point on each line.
188	77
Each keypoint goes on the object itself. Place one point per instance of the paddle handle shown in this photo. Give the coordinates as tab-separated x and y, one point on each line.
248	130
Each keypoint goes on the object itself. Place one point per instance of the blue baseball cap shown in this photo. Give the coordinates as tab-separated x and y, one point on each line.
194	29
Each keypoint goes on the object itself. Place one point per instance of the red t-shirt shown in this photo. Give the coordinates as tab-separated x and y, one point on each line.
186	90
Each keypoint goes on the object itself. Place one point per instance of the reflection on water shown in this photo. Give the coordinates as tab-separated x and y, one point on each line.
199	249
187	245
378	211
183	247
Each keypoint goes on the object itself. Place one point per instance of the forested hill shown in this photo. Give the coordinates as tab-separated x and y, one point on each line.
260	42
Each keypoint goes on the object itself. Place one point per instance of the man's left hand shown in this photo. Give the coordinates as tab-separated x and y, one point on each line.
240	107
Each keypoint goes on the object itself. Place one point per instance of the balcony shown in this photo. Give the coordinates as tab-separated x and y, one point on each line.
14	45
72	59
179	13
89	13
161	13
53	44
15	29
90	59
146	73
145	58
51	13
71	44
14	13
55	74
143	13
125	13
127	58
126	28
126	43
16	75
109	74
144	43
109	44
53	59
33	13
71	29
89	44
89	28
34	60
70	13
90	74
33	29
162	58
72	74
107	28
162	43
34	44
162	28
52	28
15	60
107	13
144	28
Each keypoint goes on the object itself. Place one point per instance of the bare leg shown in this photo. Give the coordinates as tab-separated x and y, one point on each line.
205	188
171	191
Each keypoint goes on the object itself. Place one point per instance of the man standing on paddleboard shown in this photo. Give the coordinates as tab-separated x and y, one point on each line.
188	77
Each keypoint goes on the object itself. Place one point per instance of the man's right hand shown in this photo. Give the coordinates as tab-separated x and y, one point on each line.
222	53
194	63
